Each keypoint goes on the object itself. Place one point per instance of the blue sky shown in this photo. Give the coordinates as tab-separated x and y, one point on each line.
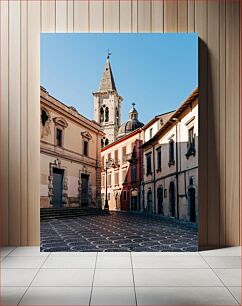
155	71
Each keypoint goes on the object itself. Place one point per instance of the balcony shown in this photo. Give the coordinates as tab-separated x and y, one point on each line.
131	157
114	163
191	151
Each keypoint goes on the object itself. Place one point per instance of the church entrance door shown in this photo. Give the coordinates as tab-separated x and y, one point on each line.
58	175
85	187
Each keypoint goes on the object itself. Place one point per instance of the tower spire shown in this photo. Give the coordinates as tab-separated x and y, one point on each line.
107	105
107	82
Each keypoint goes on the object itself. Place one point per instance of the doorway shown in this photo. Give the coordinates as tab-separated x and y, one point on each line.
58	175
149	202
192	204
134	202
85	190
172	198
160	200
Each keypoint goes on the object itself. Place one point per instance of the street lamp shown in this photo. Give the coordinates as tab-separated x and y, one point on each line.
109	162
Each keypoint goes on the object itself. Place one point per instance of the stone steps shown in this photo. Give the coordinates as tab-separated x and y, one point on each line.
69	212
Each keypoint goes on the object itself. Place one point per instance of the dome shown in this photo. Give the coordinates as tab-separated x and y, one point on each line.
132	124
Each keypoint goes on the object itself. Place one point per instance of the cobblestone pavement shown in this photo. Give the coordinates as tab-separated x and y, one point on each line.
118	232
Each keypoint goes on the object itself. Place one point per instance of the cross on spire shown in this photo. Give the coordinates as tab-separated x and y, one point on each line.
108	53
107	81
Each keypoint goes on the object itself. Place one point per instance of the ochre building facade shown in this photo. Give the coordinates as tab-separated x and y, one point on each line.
70	147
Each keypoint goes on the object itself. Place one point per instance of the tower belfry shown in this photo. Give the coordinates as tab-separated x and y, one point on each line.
107	105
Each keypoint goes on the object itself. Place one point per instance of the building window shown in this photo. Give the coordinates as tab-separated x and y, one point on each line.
151	132
106	114
125	195
133	147
124	157
59	137
108	196
124	172
102	143
85	148
103	181
109	179
116	178
191	143
133	173
116	156
44	117
171	153
148	164
106	142
158	154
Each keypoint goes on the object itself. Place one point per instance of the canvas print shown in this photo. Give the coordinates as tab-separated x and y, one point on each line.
119	142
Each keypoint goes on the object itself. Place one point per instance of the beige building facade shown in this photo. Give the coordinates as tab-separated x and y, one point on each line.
70	158
154	125
170	170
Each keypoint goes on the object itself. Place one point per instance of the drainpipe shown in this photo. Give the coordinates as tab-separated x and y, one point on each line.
154	178
177	194
140	171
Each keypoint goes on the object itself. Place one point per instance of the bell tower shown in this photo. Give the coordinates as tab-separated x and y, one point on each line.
107	105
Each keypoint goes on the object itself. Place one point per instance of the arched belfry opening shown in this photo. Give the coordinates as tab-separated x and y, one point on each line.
101	115
106	114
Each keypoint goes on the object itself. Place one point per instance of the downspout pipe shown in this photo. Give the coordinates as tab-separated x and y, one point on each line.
154	177
177	193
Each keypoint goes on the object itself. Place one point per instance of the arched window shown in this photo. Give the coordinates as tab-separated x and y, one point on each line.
102	143
101	115
106	114
106	142
44	117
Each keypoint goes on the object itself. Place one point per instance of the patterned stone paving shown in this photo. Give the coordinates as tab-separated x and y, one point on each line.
118	232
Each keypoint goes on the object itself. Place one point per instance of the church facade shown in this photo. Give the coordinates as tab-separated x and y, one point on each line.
70	156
